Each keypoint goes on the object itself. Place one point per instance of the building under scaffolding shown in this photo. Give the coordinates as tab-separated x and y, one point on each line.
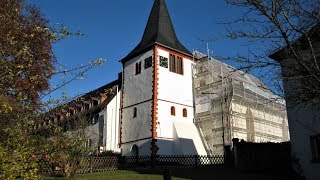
232	104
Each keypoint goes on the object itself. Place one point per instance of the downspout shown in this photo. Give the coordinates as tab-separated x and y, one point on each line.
115	114
105	127
120	111
193	89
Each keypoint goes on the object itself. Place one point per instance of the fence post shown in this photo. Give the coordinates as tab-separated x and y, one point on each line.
167	174
91	164
154	149
195	160
123	162
227	156
235	142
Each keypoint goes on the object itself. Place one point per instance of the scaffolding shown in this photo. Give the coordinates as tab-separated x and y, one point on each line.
232	104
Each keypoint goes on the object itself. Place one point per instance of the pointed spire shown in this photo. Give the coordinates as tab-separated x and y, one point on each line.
159	30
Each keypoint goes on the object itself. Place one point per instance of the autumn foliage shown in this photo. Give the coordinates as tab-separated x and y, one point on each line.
26	58
26	64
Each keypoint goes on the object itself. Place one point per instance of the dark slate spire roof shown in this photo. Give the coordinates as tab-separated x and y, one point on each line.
159	30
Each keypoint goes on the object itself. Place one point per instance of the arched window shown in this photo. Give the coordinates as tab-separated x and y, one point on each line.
173	111
134	112
184	112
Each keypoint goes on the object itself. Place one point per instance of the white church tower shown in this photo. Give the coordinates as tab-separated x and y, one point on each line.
157	100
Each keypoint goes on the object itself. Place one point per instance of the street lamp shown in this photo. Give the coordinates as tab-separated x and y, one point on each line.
222	115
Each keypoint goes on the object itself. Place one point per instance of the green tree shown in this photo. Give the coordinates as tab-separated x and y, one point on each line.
26	65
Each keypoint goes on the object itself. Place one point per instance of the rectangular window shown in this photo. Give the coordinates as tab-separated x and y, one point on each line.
179	65
88	143
95	119
315	148
148	62
95	103
172	66
86	106
163	62
134	112
138	68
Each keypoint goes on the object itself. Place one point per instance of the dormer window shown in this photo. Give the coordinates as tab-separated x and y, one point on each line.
86	106
79	109
71	112
94	103
138	68
95	119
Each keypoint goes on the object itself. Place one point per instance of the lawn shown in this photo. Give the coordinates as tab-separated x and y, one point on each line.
186	173
120	174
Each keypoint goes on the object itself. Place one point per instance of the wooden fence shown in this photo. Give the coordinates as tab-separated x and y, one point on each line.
110	163
97	164
261	156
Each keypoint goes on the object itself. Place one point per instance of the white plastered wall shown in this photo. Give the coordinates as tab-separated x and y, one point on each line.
304	121
175	90
143	146
111	123
137	91
139	127
137	88
175	87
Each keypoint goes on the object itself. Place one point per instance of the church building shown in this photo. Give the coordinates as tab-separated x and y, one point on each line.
150	108
157	102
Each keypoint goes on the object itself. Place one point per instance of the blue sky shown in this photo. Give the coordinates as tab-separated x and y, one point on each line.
112	28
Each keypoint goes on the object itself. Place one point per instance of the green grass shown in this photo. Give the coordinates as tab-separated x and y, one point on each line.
117	175
120	174
186	173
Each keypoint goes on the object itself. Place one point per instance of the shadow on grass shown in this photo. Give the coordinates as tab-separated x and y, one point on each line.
222	173
215	173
